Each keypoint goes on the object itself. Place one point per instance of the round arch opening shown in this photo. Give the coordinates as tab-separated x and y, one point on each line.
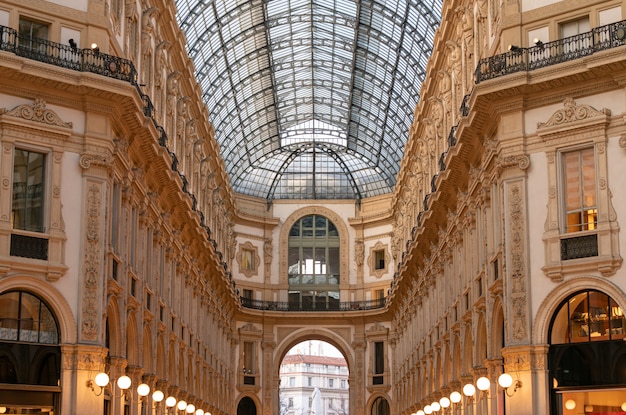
246	406
314	379
587	354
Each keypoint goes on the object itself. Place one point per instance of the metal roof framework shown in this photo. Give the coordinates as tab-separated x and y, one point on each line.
310	99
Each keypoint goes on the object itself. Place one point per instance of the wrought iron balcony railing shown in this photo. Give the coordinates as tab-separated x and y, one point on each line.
331	306
551	53
66	56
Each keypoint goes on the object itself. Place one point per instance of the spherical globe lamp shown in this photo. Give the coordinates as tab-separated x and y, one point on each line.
143	389
505	380
101	379
469	390
123	382
455	397
483	383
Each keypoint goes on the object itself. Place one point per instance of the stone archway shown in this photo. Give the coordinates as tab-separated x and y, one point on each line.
333	337
246	406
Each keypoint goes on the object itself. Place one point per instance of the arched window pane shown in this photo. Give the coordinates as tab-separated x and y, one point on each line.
587	316
313	263
25	318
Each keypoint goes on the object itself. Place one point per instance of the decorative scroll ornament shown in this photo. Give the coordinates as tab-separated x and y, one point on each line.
36	112
572	112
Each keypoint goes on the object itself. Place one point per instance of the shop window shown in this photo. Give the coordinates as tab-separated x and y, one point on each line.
30	354
587	355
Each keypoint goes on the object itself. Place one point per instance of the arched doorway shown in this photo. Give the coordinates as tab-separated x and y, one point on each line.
246	407
314	380
30	355
380	406
587	356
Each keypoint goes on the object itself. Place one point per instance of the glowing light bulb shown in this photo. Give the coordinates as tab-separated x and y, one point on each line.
157	396
483	383
143	389
469	390
102	379
124	382
505	380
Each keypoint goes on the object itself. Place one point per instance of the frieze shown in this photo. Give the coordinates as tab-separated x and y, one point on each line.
89	326
36	112
517	263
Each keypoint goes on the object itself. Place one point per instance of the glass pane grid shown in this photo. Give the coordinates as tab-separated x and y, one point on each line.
309	47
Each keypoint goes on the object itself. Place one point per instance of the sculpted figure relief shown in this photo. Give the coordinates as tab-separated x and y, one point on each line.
173	90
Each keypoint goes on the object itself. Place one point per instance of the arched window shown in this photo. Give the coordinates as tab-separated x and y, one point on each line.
25	318
30	354
587	357
314	264
587	316
380	407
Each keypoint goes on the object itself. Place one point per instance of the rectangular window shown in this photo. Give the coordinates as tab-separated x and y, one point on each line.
379	358
578	36
291	402
247	260
292	381
330	383
309	381
29	175
133	239
115	218
248	357
579	176
575	27
32	33
379	258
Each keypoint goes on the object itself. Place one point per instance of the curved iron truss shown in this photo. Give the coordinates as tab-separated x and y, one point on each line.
310	98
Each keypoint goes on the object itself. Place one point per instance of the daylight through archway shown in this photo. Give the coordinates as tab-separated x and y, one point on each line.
314	380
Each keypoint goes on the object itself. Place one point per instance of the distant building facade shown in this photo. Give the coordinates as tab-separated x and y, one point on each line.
313	385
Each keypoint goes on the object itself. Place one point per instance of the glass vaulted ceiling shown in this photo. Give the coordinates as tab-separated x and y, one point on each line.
310	99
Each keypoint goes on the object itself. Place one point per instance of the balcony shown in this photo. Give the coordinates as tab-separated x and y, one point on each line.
292	306
551	53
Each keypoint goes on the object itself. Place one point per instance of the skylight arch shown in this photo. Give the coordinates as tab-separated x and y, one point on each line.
279	75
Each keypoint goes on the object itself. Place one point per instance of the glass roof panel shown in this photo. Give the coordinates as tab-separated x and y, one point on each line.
310	98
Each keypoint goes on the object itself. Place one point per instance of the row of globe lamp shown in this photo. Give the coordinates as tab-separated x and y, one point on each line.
482	384
124	382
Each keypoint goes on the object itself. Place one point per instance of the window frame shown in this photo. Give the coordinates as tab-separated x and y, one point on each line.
595	251
564	212
45	198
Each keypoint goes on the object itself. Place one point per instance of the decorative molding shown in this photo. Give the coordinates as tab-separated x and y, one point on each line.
87	160
571	113
371	260
343	238
89	315
36	112
248	259
517	267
